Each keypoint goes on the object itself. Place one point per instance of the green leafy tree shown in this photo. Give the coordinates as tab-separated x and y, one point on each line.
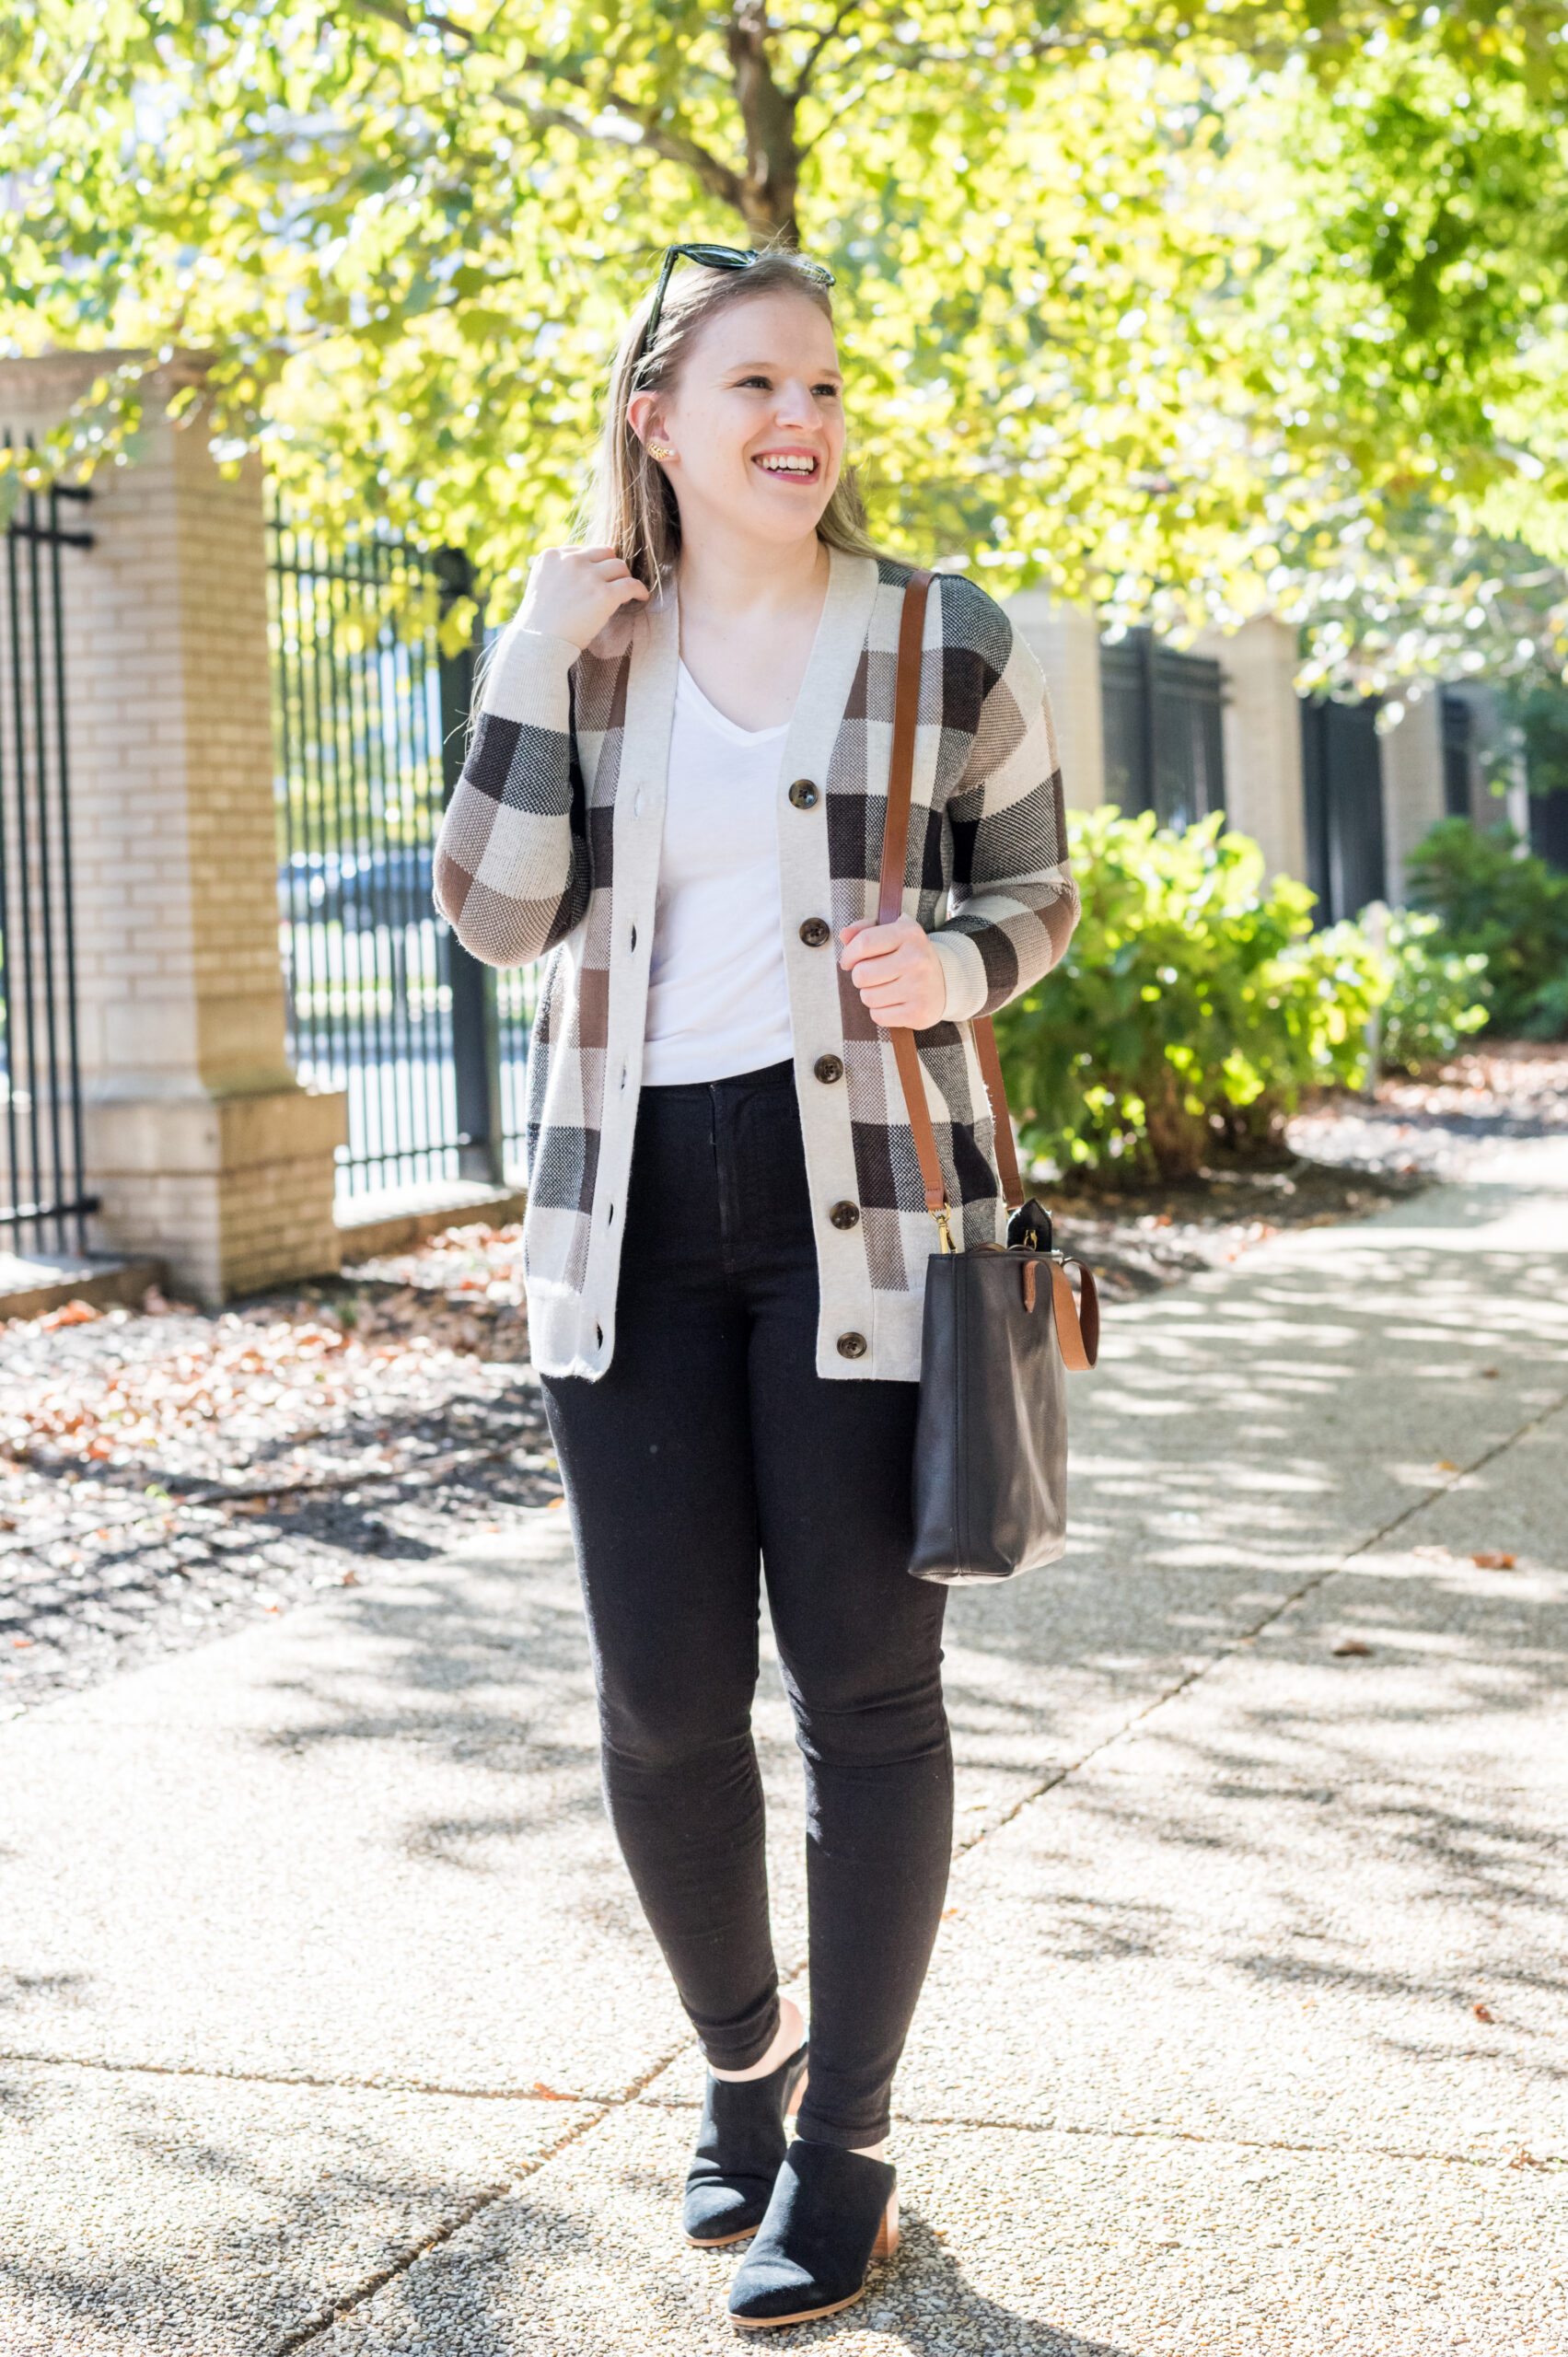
1082	246
1418	314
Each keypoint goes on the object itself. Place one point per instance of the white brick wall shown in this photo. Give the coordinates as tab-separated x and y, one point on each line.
1413	783
1065	642
1261	720
180	991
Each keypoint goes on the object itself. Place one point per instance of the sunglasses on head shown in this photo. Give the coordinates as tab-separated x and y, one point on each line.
718	258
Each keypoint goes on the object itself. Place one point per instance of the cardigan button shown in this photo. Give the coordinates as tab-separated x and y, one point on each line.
851	1346
803	793
845	1215
829	1068
815	931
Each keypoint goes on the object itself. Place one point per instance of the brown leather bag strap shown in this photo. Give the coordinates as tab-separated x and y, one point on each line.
895	851
1077	1331
996	1089
889	908
901	765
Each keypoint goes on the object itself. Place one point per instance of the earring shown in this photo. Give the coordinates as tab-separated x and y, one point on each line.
657	450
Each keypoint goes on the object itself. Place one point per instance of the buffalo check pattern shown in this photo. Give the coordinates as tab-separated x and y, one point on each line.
549	849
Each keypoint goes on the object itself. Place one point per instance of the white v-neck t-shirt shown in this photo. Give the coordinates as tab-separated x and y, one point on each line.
718	995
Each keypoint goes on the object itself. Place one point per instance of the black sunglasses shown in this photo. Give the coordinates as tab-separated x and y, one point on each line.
718	258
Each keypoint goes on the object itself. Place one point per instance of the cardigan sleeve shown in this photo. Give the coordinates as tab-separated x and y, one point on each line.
511	868
1012	902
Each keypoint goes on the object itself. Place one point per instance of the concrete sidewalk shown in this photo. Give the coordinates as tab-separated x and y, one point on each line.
326	2021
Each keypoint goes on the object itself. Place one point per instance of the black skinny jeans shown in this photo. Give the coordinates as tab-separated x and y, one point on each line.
711	1440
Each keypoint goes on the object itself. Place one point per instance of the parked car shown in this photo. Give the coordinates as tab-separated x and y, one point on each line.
358	890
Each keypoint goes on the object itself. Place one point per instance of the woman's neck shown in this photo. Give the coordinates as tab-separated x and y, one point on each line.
748	619
739	581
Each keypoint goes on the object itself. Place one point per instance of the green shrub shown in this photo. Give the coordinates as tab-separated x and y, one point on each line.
1512	912
1436	996
1192	1008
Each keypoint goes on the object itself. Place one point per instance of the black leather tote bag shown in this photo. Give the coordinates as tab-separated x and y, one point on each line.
1000	1323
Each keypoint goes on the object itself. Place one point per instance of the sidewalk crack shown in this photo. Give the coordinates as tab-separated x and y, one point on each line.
1265	1621
324	2321
348	2080
1248	2143
326	2318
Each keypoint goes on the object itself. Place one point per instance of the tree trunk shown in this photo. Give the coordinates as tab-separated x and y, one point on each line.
773	160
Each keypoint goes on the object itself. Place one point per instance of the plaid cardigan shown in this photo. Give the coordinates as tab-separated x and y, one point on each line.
551	847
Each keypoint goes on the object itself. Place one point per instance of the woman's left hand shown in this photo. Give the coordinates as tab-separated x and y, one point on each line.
897	972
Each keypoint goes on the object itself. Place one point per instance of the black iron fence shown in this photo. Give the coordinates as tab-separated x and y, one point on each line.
1164	742
43	1205
371	706
1341	776
1458	721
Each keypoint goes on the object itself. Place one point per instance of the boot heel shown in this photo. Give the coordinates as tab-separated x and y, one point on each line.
886	2240
831	2213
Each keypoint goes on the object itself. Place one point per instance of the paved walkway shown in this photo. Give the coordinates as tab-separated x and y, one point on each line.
326	2021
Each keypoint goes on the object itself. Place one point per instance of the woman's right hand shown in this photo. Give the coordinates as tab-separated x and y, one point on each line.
572	593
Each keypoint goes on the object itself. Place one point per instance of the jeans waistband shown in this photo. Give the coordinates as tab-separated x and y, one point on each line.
675	1092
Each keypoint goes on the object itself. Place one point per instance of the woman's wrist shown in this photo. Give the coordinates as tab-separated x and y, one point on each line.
965	985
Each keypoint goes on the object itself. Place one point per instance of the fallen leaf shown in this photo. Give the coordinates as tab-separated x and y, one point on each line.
1488	1370
1492	1559
350	1579
1447	1465
21	1641
1481	2013
1351	1645
550	2094
949	1912
554	1503
71	1312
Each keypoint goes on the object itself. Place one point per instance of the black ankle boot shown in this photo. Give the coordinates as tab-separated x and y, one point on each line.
739	2146
831	2214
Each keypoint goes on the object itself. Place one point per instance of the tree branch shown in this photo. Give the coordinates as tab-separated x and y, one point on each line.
392	13
719	179
829	34
768	111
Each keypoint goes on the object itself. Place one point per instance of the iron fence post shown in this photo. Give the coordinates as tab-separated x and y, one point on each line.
42	1184
476	1032
1151	718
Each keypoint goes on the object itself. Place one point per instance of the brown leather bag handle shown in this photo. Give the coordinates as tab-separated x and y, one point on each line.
1078	1339
1079	1344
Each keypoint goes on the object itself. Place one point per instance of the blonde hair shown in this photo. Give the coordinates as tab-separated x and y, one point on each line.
629	503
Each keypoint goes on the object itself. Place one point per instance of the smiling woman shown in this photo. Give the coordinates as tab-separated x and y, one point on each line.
676	791
637	506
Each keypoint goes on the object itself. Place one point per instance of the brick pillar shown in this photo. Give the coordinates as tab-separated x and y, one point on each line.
1261	720
200	1142
1412	781
1065	642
